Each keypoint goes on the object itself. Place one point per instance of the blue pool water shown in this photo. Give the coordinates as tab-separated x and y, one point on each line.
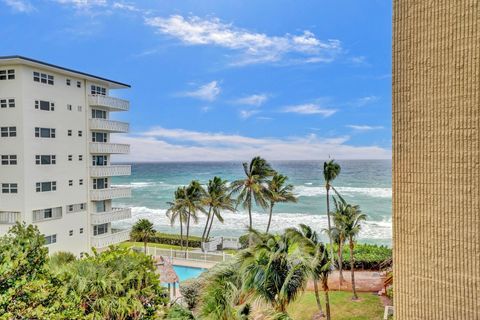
185	273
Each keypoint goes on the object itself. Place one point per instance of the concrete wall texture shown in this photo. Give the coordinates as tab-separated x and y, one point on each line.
436	160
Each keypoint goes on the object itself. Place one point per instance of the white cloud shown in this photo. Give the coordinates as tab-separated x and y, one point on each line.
207	92
253	47
309	108
160	144
364	127
363	101
253	100
20	5
84	4
245	114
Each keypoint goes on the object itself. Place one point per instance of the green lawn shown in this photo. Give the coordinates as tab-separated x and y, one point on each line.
369	307
129	244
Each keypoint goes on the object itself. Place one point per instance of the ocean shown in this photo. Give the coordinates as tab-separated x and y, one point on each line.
363	182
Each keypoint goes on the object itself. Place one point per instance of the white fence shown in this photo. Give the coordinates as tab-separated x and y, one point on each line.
221	243
185	255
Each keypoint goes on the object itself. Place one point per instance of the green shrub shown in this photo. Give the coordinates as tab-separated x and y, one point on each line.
174	239
389	292
243	241
176	312
190	290
367	256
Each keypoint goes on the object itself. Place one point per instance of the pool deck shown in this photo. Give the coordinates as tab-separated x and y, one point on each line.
193	263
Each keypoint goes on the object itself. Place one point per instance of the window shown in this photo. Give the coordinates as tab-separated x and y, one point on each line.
80	133
76	207
50	239
70	157
7	74
70	183
9	188
80	157
98	90
45	159
46	186
44	132
47	214
100	229
9	160
4	103
101	183
70	233
99	114
69	107
68	82
42	78
44	105
69	133
8	131
79	84
80	182
79	108
99	136
81	230
101	206
99	160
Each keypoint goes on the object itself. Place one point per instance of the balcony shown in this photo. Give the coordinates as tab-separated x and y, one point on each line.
108	125
108	103
110	193
114	215
110	171
105	240
7	219
109	148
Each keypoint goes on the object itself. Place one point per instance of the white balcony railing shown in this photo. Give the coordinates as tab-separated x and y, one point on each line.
105	240
114	215
110	193
109	103
110	171
9	217
109	148
108	125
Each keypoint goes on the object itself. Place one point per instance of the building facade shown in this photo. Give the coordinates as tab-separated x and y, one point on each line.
436	159
55	154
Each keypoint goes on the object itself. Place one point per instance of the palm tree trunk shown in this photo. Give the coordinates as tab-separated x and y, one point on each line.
210	227
327	300
145	246
250	238
340	261
188	228
204	239
352	263
270	216
181	233
329	224
317	297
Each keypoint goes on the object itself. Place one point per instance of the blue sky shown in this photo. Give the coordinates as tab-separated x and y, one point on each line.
226	80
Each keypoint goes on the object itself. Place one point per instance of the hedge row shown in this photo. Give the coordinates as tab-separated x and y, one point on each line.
174	239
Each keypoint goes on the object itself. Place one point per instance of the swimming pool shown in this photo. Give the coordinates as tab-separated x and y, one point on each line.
185	273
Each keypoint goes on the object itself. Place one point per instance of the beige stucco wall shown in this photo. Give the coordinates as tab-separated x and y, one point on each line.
436	163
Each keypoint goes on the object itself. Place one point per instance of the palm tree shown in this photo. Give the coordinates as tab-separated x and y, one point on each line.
350	223
338	232
142	231
323	261
254	186
311	248
192	203
271	270
331	170
217	198
176	211
279	192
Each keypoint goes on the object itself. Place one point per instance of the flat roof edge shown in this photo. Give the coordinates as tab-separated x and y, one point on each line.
63	68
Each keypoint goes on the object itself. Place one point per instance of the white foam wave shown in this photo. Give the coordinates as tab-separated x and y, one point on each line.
303	191
236	224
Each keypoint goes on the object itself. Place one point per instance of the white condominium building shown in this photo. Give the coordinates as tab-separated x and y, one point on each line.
55	153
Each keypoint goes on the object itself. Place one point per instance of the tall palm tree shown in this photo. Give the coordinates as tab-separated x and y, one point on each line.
338	232
278	191
324	271
176	211
311	248
351	224
218	199
271	270
331	170
142	231
192	203
254	186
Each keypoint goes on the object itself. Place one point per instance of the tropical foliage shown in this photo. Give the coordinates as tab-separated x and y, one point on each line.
279	191
331	170
142	231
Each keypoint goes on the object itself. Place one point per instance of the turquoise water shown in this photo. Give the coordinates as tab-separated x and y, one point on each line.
185	273
363	182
